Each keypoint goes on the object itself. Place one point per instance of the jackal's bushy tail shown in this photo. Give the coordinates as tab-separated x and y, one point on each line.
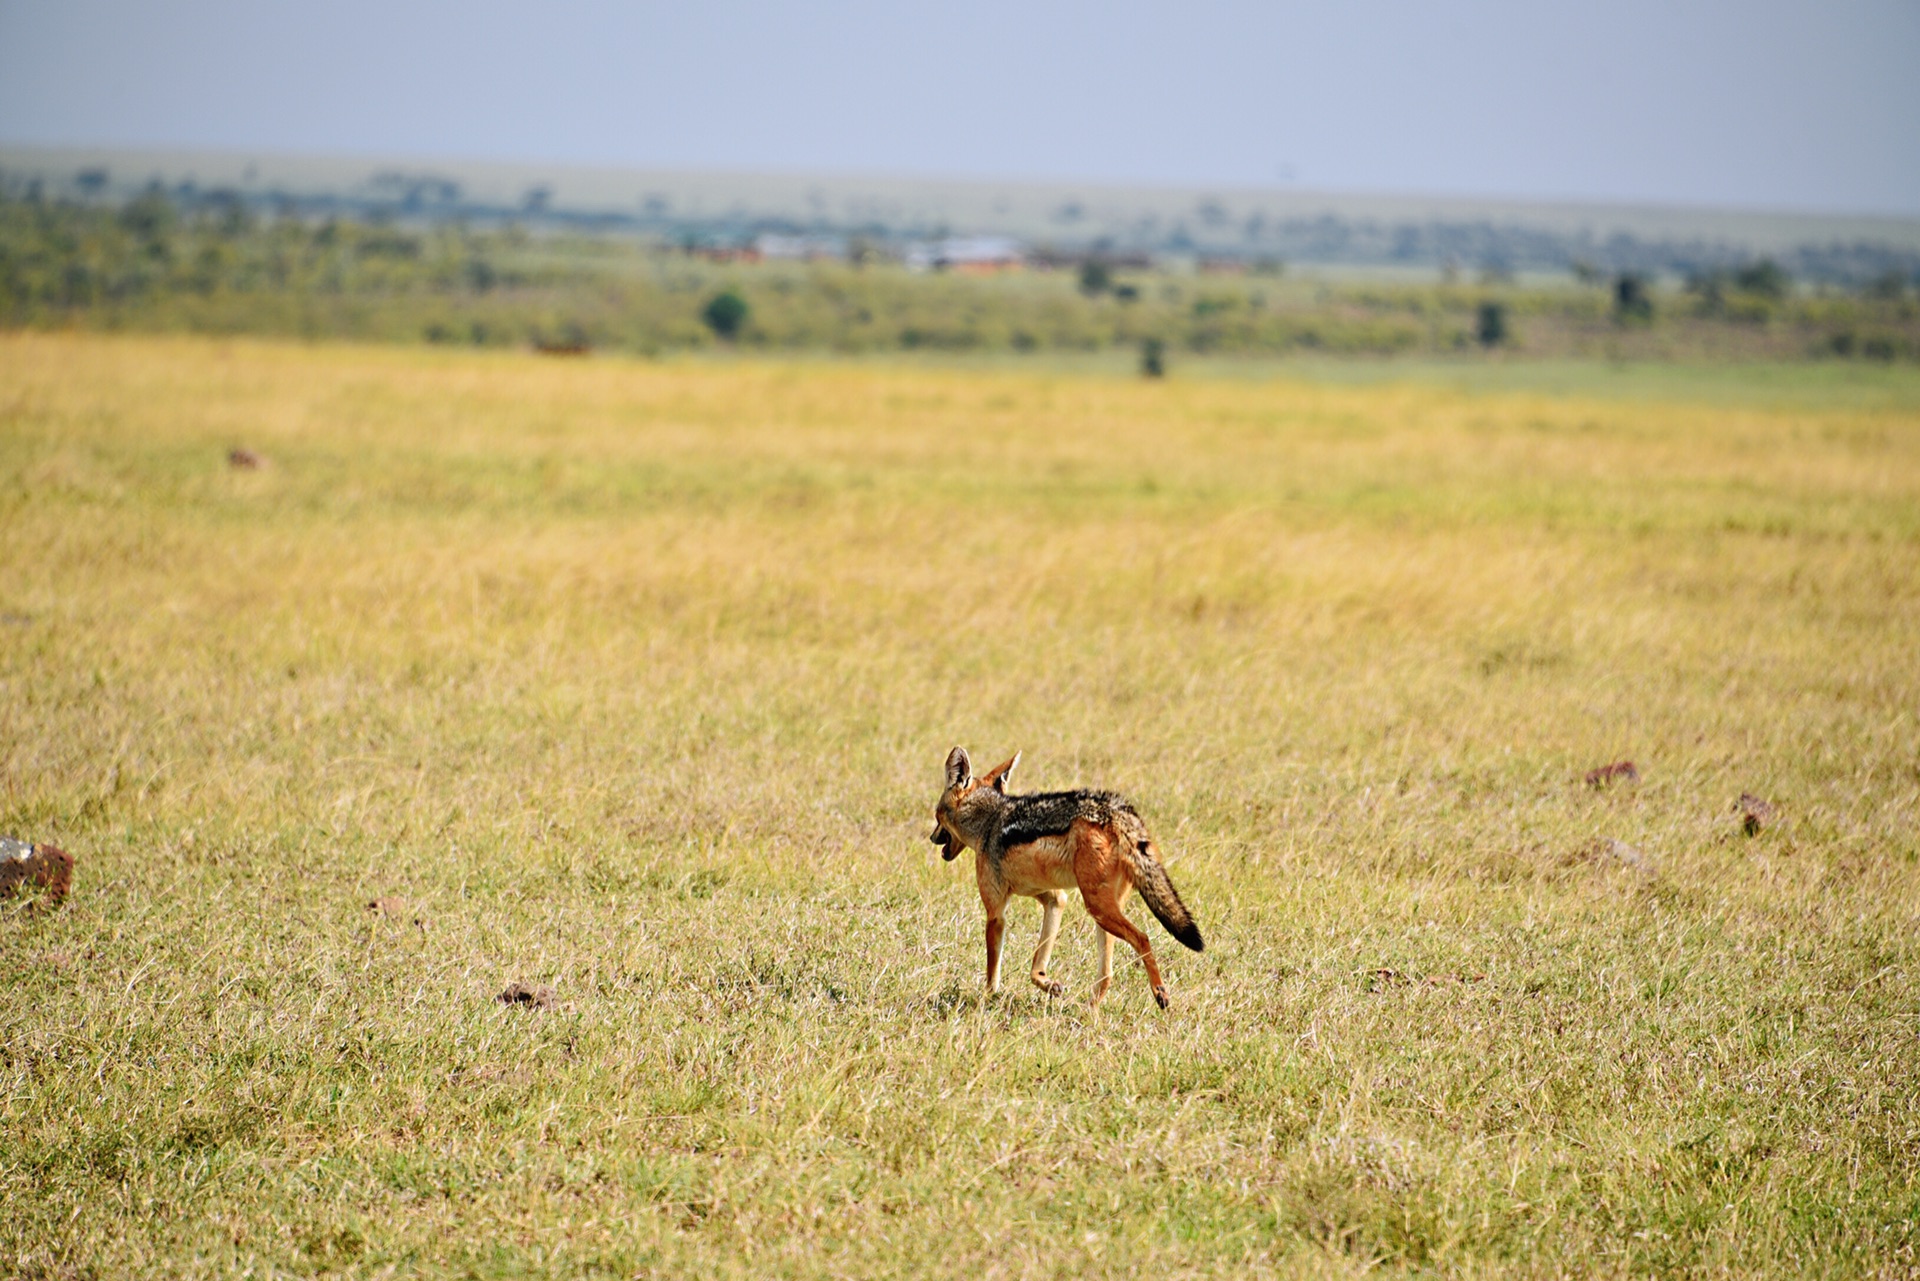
1156	887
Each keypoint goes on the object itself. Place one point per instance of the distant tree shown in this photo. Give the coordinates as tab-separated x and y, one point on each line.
228	212
725	313
1126	293
1095	277
1710	287
149	214
210	267
1632	301
1764	278
1153	359
1889	286
1491	324
1585	272
91	182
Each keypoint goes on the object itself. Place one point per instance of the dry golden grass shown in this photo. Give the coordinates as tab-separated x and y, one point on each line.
635	680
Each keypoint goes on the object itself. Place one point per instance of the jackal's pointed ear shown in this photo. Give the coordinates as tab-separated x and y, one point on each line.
959	768
998	775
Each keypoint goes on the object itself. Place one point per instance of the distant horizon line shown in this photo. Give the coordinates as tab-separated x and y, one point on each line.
1278	191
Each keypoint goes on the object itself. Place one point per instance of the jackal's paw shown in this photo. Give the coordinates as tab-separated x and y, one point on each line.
1160	995
1052	987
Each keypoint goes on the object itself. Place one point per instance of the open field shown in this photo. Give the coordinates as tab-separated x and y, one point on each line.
635	679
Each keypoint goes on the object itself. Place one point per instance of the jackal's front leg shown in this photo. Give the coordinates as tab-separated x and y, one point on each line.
996	926
993	898
1050	906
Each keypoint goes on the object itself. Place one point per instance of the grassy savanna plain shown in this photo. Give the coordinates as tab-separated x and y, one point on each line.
635	679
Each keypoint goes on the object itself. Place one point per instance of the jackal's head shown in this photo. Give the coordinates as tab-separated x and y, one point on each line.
952	828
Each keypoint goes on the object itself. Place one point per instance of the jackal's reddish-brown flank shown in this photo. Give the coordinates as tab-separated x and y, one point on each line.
1042	845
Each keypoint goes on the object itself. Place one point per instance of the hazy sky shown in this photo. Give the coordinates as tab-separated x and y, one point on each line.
1750	103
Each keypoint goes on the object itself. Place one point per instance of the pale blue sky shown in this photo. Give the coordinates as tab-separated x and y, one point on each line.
1704	102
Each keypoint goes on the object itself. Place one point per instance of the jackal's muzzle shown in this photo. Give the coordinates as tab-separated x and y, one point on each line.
949	847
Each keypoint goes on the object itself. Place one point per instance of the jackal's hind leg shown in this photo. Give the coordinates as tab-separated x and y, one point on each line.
1050	905
1104	905
1105	980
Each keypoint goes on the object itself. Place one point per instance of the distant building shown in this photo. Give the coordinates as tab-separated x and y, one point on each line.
776	248
724	253
969	255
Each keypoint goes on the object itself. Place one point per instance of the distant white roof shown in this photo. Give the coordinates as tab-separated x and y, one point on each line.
956	251
802	247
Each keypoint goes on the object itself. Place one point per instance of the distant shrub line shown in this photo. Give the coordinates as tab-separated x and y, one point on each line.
150	266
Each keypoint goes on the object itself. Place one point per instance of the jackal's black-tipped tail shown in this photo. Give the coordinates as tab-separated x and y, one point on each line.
1156	887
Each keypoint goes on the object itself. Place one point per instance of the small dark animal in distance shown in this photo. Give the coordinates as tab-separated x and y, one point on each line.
244	459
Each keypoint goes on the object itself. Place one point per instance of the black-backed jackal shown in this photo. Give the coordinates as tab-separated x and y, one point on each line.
1044	844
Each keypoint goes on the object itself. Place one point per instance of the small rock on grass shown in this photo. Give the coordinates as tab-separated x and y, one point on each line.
41	866
1617	772
1755	813
396	909
244	459
537	995
1627	855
